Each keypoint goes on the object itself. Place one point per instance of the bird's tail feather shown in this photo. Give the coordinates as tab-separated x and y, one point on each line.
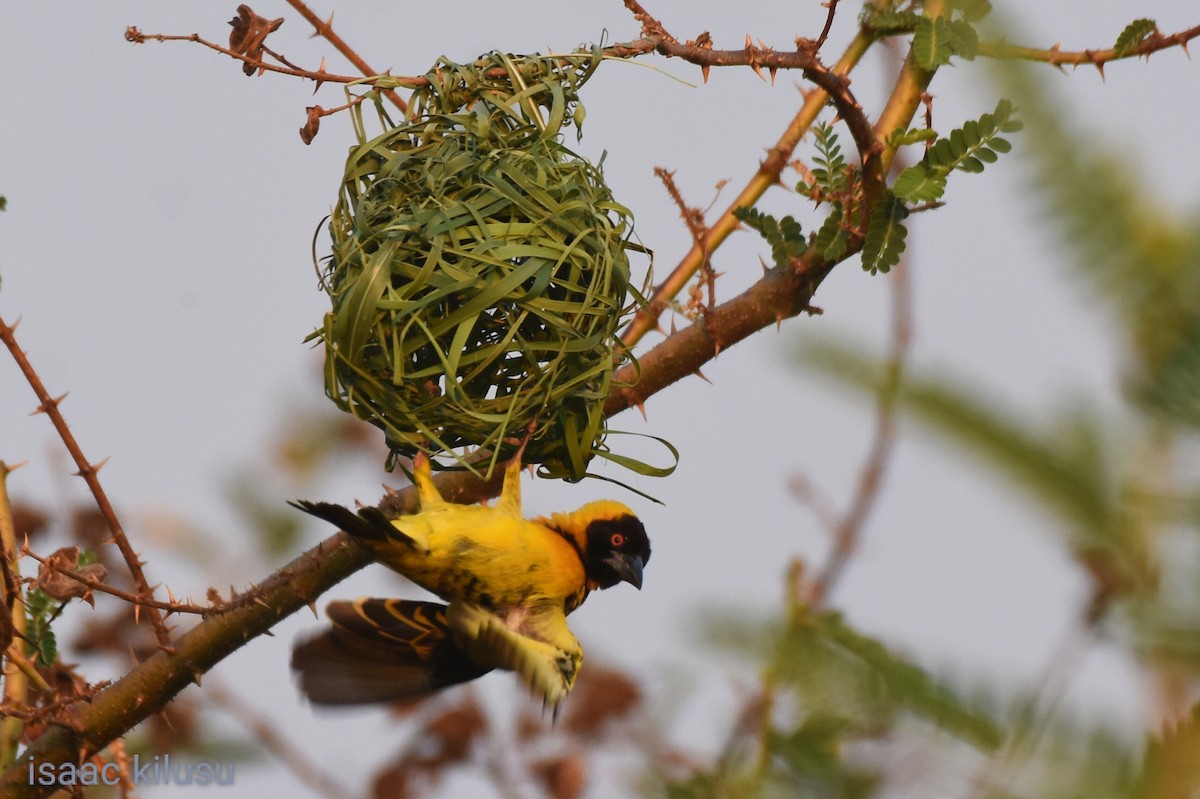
369	525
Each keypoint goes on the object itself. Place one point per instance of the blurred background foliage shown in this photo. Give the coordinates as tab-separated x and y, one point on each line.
1120	483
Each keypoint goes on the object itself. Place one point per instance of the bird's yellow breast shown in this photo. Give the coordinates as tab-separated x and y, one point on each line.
485	556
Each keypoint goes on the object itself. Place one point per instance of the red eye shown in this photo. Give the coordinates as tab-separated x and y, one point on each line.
617	540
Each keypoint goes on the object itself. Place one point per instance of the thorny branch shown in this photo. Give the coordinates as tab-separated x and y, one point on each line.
95	584
154	682
136	36
832	4
832	86
90	473
759	57
1055	56
693	219
324	29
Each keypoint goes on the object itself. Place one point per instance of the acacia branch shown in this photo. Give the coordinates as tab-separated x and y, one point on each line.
769	173
1098	58
89	472
804	58
135	36
149	686
93	584
16	684
324	28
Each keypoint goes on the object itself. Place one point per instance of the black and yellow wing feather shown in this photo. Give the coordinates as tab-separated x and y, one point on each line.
381	650
385	650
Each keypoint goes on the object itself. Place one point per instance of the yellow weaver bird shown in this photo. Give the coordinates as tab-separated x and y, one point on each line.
509	583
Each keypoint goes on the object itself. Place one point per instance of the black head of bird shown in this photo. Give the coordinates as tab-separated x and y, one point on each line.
617	548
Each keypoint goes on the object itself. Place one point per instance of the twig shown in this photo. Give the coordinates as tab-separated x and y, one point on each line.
134	599
121	757
848	530
768	175
325	29
1098	58
267	733
26	667
89	472
817	501
832	4
16	684
132	34
804	58
693	219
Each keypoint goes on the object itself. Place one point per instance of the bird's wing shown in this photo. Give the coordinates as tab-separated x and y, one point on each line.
381	650
541	648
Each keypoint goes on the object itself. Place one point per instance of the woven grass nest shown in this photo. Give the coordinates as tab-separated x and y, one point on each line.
480	269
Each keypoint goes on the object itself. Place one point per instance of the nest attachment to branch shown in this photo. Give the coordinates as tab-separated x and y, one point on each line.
480	269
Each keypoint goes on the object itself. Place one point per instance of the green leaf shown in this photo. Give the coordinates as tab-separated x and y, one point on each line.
813	755
941	155
1170	383
931	42
959	143
885	240
784	235
968	149
1003	117
920	184
986	155
913	687
900	138
890	22
832	239
830	173
964	41
47	644
1133	36
971	164
971	10
40	611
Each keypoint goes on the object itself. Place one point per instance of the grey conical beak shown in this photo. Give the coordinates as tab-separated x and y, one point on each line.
628	567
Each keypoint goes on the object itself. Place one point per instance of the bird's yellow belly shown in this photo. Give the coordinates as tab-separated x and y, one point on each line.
497	564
